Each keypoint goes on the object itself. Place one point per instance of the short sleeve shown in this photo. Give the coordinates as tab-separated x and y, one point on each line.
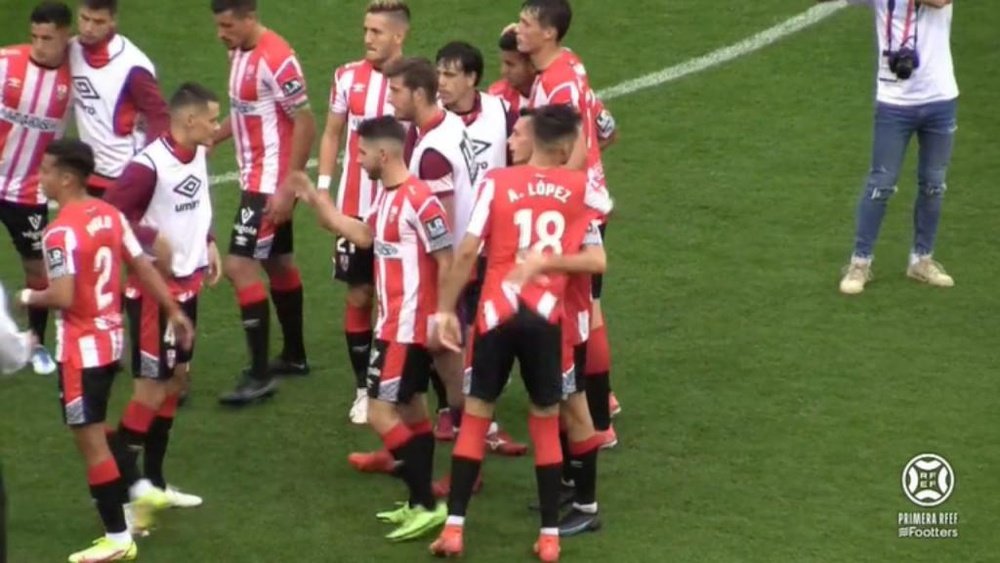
290	84
59	246
130	244
479	224
338	91
431	223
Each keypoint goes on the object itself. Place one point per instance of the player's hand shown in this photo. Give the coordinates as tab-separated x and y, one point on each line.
302	187
214	264
446	332
530	265
280	206
183	329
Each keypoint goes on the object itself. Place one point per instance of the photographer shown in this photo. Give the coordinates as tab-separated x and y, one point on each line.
15	350
916	94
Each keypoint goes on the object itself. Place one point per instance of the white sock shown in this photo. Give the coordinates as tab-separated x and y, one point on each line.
586	508
140	488
861	261
455	521
494	428
362	392
914	258
550	531
121	538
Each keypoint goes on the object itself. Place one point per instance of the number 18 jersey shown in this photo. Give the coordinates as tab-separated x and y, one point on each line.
88	241
522	209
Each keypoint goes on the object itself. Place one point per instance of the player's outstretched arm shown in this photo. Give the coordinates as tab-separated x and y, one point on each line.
329	148
58	295
329	217
456	277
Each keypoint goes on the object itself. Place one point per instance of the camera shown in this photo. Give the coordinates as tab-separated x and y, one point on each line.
903	62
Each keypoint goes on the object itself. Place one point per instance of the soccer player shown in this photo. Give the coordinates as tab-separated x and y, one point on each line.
34	107
360	91
164	193
545	207
118	101
562	79
578	439
439	152
84	248
488	121
409	230
273	129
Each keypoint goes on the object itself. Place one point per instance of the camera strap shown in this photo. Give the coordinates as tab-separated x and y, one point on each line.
911	18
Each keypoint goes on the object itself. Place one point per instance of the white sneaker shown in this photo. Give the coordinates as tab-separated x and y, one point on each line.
359	410
930	272
178	499
42	362
856	275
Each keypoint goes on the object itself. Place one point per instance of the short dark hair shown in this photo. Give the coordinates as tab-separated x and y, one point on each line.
190	94
382	129
397	8
73	156
239	7
508	41
555	123
56	13
417	73
110	5
468	57
551	13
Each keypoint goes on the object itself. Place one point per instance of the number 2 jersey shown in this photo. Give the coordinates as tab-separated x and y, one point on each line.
88	240
526	208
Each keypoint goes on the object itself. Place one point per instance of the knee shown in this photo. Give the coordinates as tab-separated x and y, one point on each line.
381	415
879	191
933	189
359	296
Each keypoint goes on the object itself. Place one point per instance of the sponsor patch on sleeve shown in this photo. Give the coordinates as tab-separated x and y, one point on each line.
292	87
438	235
55	262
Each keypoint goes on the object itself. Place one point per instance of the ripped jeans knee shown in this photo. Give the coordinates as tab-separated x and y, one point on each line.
933	189
879	193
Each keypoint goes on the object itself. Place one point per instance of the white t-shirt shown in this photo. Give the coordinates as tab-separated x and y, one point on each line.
15	346
934	79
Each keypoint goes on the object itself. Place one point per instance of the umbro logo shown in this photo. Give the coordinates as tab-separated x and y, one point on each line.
479	147
189	187
84	89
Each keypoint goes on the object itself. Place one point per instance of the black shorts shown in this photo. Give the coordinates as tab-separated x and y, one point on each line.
397	372
352	265
469	301
597	280
25	223
256	237
537	346
155	351
84	393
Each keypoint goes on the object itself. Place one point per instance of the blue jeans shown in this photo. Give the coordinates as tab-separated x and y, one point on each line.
934	125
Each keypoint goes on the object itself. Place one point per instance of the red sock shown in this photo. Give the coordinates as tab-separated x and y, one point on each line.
288	280
102	473
138	417
471	442
253	293
545	436
598	352
397	437
357	319
422	427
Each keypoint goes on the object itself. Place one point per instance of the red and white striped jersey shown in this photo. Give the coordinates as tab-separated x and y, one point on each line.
515	99
409	224
565	82
525	208
34	106
266	88
88	240
359	92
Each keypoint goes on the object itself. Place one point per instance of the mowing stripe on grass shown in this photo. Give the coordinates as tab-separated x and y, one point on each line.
747	46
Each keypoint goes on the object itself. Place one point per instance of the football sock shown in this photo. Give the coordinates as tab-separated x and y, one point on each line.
548	466
568	471
439	390
411	450
466	462
256	324
584	460
38	317
598	379
131	438
156	442
358	333
286	292
107	488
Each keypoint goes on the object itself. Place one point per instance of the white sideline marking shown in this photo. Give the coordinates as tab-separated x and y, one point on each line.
747	46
